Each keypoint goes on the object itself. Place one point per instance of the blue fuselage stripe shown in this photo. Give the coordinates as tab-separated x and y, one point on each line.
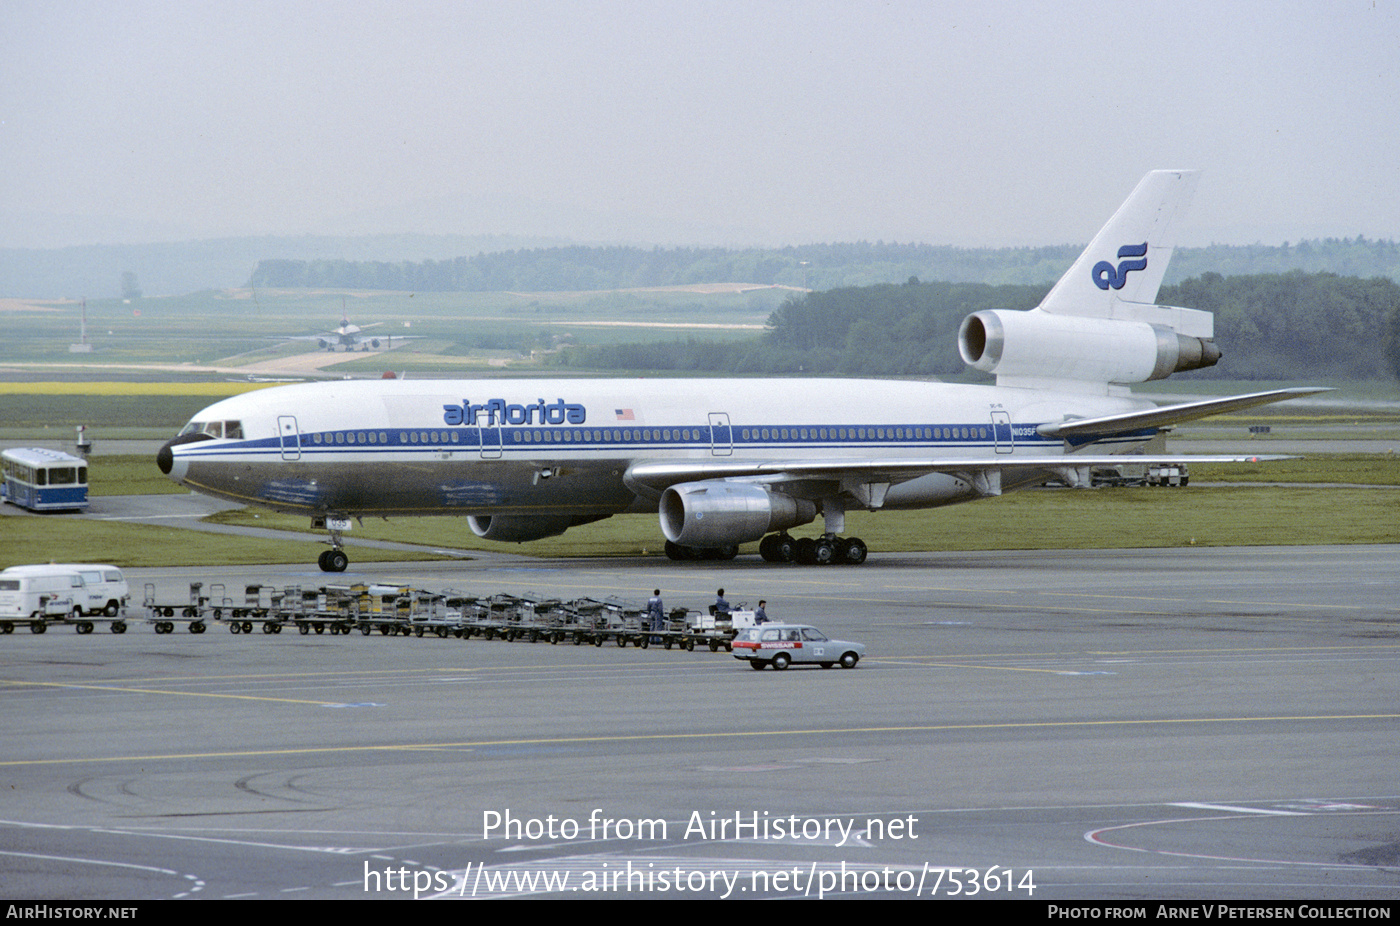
517	440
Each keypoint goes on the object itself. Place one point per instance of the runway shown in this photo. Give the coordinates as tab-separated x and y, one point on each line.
1202	724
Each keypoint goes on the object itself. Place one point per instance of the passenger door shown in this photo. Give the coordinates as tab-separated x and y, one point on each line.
721	437
291	437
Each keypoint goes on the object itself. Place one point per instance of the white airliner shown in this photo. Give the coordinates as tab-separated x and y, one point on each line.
727	462
351	337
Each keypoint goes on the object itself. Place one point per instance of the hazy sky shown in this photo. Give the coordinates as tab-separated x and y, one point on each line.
693	122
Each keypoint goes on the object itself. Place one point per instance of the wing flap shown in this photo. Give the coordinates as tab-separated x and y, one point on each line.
1109	425
650	479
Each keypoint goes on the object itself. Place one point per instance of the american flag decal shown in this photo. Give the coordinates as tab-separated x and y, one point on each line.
625	414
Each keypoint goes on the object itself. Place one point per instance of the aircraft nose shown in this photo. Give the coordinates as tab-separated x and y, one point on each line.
165	456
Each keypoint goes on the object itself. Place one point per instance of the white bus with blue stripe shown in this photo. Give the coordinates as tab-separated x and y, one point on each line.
45	480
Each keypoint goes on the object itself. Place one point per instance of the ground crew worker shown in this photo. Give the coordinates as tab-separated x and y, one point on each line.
656	611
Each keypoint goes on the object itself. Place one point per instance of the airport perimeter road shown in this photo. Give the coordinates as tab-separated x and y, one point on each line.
1202	724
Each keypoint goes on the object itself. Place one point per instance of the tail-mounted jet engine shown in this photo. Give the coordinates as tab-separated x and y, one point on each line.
1040	345
717	514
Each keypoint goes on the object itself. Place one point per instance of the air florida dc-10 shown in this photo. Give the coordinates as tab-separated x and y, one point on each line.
727	462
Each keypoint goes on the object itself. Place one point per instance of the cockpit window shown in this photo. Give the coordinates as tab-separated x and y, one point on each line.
228	429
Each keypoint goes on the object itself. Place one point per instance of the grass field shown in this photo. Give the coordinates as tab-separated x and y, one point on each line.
1050	519
1244	511
64	539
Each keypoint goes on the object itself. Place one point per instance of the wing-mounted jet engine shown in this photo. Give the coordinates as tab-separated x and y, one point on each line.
522	529
718	515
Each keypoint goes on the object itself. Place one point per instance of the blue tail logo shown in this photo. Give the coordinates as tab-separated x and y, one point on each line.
1106	275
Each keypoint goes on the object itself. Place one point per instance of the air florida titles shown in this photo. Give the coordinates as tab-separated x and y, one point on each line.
499	412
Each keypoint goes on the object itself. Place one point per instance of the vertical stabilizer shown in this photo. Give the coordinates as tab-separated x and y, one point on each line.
1127	259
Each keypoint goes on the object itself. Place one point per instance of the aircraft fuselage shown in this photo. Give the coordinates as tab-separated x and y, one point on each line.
500	447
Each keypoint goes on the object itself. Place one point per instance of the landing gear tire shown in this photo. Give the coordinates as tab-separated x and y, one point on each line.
333	561
851	551
819	551
777	548
765	548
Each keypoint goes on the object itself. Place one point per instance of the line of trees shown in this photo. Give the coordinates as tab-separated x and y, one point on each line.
813	267
1282	325
1269	326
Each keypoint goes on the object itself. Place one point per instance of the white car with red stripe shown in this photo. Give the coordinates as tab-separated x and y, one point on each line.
781	645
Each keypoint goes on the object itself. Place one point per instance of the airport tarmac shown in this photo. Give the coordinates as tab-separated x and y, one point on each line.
1201	724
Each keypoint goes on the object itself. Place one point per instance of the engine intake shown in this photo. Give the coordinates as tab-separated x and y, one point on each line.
1106	350
715	513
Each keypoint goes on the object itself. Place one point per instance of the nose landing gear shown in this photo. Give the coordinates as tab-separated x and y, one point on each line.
334	559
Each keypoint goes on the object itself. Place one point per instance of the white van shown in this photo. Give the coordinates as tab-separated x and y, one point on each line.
104	588
35	596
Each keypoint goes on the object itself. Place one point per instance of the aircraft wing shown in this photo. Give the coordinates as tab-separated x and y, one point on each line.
1087	429
337	338
650	479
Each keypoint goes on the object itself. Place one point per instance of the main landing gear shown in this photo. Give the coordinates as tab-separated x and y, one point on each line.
826	550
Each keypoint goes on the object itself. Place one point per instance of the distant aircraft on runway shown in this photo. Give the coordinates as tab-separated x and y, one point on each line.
727	462
351	337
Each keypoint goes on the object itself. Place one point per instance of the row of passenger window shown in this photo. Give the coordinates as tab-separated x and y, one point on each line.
959	433
551	436
611	435
648	435
356	437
